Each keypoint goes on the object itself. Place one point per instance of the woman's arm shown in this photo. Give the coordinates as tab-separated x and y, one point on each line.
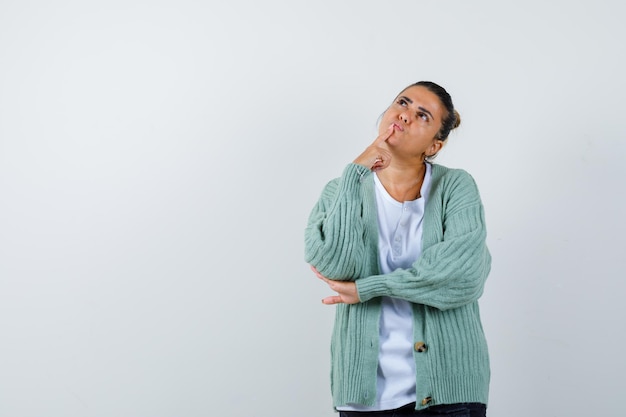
334	236
449	273
341	234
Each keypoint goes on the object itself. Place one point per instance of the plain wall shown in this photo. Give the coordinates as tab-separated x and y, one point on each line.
158	161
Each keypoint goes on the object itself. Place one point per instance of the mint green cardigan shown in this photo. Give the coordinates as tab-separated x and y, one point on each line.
443	285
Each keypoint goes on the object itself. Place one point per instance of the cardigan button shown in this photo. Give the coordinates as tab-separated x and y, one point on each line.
421	347
427	400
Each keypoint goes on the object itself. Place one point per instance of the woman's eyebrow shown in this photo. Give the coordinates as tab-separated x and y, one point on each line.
419	108
426	111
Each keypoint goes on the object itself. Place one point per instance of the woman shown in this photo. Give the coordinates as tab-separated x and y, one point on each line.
402	242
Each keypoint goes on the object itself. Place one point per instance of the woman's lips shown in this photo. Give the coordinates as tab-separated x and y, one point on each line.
398	127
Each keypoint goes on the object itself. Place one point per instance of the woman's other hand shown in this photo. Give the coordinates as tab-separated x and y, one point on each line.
346	290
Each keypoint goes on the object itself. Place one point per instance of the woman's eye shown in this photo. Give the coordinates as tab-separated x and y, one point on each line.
402	102
422	116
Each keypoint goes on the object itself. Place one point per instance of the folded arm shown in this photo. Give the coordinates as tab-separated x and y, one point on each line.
450	272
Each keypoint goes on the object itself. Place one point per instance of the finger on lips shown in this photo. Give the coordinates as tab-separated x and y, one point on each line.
383	138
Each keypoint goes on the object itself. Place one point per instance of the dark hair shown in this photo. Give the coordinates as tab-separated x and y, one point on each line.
452	120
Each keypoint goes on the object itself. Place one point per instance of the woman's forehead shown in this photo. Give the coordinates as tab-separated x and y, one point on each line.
423	97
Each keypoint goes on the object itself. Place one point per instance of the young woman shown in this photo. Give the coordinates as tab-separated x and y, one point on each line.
401	241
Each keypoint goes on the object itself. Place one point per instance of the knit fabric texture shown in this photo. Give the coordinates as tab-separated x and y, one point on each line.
443	285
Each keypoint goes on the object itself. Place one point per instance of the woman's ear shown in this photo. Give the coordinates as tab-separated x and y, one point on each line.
434	148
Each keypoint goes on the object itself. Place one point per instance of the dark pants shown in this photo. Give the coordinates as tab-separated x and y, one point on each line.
450	410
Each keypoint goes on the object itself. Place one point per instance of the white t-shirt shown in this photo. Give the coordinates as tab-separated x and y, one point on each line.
399	245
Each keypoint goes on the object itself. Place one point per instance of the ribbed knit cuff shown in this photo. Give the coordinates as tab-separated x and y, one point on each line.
354	175
371	287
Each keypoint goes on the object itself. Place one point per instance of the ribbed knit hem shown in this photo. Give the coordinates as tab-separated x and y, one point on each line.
455	389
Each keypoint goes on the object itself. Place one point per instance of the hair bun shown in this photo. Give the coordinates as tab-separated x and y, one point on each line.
457	119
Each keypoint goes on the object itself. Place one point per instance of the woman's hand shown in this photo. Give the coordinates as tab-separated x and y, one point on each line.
376	156
346	290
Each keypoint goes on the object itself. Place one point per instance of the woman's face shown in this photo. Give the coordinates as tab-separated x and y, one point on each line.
416	116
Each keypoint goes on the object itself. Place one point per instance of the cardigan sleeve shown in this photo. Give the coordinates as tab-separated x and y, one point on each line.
452	270
334	236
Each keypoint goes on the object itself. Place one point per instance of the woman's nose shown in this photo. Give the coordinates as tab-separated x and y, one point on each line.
403	117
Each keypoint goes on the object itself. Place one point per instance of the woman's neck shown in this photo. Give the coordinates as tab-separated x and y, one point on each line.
403	182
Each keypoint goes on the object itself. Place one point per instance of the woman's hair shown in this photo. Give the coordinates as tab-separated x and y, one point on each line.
452	120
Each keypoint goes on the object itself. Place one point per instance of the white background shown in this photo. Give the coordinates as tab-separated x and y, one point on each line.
158	161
